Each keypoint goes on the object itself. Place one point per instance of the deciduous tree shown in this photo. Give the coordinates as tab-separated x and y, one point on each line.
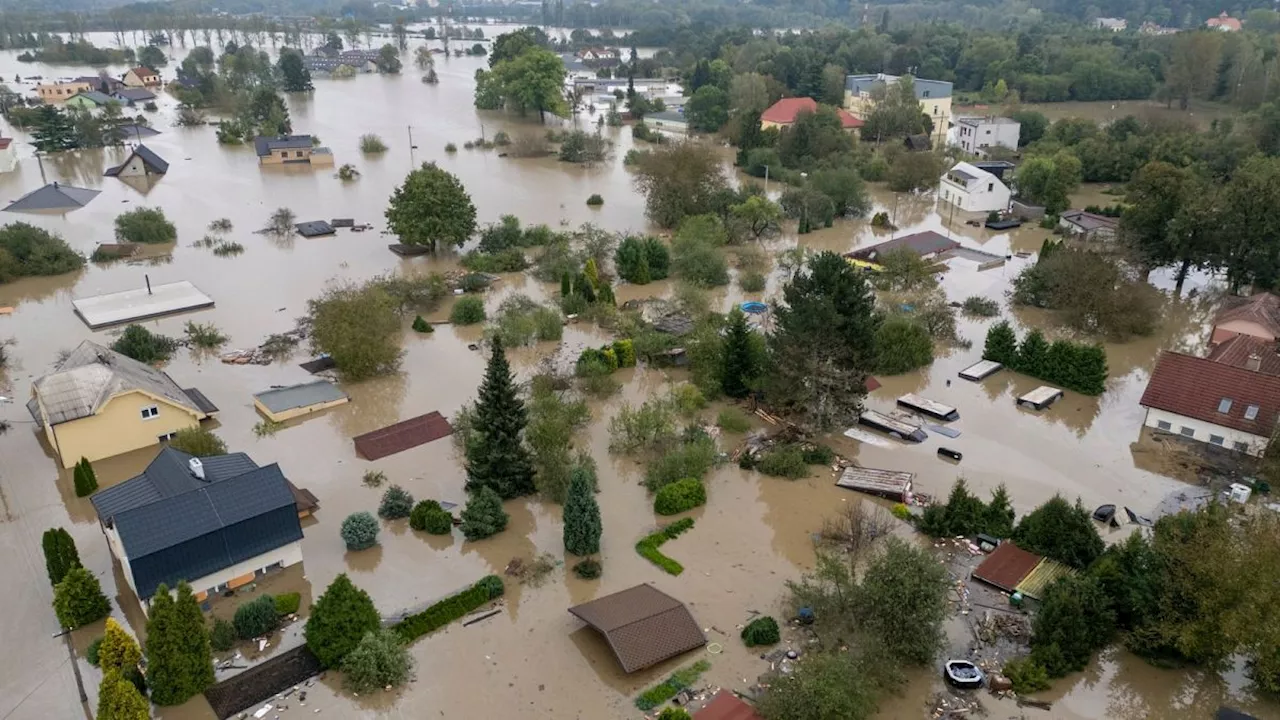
1060	531
678	180
294	75
379	660
431	207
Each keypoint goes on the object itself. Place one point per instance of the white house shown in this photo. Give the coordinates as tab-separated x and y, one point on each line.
972	189
216	522
975	134
1087	225
1212	402
8	156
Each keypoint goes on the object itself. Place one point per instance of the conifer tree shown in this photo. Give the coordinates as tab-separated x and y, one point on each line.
483	516
1001	345
78	599
60	554
582	515
119	651
339	619
179	659
498	459
86	482
118	699
739	357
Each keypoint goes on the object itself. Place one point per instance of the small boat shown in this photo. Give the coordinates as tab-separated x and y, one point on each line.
962	674
950	454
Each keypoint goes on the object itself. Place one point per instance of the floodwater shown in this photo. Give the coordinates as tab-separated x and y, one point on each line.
534	660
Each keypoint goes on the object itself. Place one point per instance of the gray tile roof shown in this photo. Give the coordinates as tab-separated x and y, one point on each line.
153	162
297	396
264	145
168	475
92	374
53	196
857	84
135	94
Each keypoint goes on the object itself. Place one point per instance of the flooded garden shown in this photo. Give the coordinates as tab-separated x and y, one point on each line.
533	659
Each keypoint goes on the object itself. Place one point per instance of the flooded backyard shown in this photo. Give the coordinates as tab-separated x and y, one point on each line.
534	659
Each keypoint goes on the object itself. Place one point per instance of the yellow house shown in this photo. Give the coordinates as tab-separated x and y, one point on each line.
52	93
291	150
140	77
861	93
99	403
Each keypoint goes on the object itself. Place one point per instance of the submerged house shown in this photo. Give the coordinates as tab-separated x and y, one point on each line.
90	100
142	162
99	403
972	189
290	150
642	625
1257	316
129	96
1087	225
216	522
1213	402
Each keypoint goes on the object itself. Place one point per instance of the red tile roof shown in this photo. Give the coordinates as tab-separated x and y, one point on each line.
784	112
1006	566
402	436
4	143
1223	21
1195	387
726	706
1238	349
143	70
1262	308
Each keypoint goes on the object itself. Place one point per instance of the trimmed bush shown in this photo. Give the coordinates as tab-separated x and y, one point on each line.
78	599
396	503
468	310
256	617
978	306
223	635
449	609
359	531
648	546
422	326
680	496
483	515
595	200
692	459
588	569
752	282
429	516
288	603
761	631
86	482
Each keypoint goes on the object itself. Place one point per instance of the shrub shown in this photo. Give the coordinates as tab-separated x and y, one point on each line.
752	282
492	584
227	249
674	713
691	459
595	200
450	148
588	569
648	546
501	139
373	478
483	515
422	326
978	306
819	454
1027	675
901	511
429	516
143	345
642	260
468	310
198	441
761	631
902	344
667	689
650	426
733	420
784	461
371	143
78	599
256	617
508	260
26	250
379	660
521	321
680	496
688	398
288	603
451	608
223	635
145	225
204	335
359	531
91	652
396	503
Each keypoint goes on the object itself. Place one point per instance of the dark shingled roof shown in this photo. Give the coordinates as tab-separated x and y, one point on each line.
135	94
314	228
1195	387
175	526
153	162
642	625
1006	566
402	436
921	243
264	145
54	196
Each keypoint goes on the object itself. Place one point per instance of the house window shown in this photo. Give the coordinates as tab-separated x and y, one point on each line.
167	436
1224	405
925	94
298	154
1188	432
1251	412
1240	447
935	109
1217	440
150	412
991	187
1164	425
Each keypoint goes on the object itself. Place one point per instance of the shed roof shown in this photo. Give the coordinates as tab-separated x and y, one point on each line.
931	89
135	94
92	374
921	243
1261	308
1197	388
314	228
1007	566
265	145
402	436
54	196
726	706
94	96
142	70
642	625
306	394
1090	221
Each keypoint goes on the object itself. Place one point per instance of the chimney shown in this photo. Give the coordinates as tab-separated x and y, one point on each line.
197	468
1254	363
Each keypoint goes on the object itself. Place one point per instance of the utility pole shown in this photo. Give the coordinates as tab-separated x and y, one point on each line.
412	147
75	666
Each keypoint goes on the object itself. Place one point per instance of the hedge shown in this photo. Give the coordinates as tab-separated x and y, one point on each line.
648	546
1075	366
288	603
449	609
667	689
679	496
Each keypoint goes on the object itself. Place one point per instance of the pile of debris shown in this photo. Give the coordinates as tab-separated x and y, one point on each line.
950	706
273	348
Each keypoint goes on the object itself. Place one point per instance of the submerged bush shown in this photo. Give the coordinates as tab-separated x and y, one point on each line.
468	310
680	496
359	531
761	631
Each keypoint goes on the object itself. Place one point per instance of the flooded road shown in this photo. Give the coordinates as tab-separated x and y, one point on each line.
534	660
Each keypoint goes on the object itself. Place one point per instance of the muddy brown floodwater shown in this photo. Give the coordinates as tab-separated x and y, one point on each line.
533	660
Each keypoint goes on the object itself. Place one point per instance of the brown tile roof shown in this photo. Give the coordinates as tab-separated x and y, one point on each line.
1006	566
921	243
642	625
1194	387
1262	308
726	706
784	112
1236	351
402	436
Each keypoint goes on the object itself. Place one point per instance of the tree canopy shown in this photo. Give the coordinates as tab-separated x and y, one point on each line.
430	208
339	620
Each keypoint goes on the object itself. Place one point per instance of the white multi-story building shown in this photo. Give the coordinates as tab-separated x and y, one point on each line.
975	134
972	189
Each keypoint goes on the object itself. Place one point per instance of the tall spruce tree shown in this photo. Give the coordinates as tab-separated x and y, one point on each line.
824	344
339	618
740	367
498	459
60	554
179	659
582	514
1001	345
